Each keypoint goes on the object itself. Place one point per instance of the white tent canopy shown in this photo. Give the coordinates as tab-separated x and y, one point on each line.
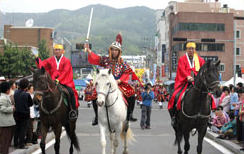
89	77
231	81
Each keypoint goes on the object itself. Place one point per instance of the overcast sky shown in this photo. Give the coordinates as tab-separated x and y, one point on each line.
47	5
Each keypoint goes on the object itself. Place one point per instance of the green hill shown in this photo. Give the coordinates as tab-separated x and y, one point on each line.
134	23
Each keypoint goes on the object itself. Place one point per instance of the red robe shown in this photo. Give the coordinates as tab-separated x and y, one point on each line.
64	72
183	70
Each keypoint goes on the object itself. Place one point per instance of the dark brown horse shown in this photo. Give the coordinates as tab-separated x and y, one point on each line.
53	111
196	106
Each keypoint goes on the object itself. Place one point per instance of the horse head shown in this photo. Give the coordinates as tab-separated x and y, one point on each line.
40	83
105	83
209	76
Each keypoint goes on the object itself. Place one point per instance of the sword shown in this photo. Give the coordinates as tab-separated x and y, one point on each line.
89	27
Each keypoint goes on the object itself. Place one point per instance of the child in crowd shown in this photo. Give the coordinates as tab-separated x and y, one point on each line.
218	121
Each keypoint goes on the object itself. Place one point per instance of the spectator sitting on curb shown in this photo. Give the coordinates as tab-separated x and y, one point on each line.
229	129
218	121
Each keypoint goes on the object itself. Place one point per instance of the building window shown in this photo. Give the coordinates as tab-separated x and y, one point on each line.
199	27
238	51
222	67
238	34
201	47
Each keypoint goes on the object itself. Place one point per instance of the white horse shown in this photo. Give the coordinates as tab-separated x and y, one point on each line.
111	111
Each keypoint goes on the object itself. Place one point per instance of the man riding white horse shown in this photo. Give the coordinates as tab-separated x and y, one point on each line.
120	70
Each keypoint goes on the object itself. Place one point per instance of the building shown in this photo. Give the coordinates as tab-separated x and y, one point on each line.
29	36
210	26
136	61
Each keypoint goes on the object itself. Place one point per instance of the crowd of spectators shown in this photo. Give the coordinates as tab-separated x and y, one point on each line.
228	117
19	117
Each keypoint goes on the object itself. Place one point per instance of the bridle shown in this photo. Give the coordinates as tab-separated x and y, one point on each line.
107	94
107	106
48	88
209	86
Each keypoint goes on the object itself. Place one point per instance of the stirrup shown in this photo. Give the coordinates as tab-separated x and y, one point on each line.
72	115
173	121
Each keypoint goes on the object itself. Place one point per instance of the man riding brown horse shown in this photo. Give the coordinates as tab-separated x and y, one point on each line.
188	67
60	70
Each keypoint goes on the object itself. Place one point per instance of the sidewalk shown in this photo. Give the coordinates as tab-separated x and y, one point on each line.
232	145
32	148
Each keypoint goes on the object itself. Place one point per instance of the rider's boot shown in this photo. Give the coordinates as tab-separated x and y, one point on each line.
94	121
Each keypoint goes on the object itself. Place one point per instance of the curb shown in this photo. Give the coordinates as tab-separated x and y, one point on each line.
225	143
34	147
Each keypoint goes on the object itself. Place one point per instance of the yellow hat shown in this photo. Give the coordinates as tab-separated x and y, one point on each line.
191	45
58	46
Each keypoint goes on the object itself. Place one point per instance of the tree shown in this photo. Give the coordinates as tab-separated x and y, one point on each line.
43	51
15	62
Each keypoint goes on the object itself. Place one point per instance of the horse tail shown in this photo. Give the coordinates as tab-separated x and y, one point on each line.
129	135
72	136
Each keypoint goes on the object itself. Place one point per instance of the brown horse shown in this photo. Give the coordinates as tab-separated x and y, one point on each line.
53	111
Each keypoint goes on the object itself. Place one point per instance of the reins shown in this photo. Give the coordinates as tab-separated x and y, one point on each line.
107	106
47	90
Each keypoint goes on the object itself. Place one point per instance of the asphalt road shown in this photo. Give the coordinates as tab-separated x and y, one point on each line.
157	140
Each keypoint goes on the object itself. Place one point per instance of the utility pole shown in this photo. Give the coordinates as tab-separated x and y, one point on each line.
234	61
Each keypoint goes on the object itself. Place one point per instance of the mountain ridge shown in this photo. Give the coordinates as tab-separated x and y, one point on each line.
134	23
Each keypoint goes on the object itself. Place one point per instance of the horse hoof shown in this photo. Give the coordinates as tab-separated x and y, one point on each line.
125	152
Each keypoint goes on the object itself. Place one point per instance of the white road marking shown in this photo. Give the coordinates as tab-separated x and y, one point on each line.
50	143
218	146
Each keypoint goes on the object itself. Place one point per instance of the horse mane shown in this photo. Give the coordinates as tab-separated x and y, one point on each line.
207	64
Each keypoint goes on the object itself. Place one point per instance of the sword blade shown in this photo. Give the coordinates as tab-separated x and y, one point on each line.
89	26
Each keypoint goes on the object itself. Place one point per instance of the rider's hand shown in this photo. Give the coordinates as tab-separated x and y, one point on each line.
34	51
190	79
56	81
87	48
118	81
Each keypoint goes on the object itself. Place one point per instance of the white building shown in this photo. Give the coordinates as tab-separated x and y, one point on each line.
136	61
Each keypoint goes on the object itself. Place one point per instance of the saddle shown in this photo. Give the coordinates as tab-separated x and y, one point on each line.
126	89
180	96
66	98
64	93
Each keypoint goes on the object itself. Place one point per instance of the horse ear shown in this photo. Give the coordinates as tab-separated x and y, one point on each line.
217	64
32	69
97	71
109	71
43	70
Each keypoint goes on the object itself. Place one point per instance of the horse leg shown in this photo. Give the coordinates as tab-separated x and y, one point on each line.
125	129
44	130
116	142
187	144
57	131
70	130
112	137
178	137
201	134
103	139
